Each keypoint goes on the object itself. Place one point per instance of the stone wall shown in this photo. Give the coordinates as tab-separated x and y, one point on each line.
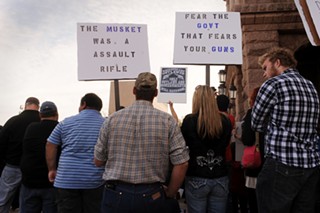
265	24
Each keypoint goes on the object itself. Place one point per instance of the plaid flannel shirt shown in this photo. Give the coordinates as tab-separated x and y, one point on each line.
288	105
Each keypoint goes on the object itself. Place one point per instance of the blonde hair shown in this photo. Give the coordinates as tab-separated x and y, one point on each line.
283	54
204	104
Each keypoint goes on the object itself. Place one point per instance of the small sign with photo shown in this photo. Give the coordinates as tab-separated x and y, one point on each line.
173	86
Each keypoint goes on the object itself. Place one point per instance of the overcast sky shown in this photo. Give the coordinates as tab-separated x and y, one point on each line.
38	48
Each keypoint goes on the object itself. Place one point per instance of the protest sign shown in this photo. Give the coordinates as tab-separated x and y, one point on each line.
173	85
112	51
314	7
208	38
309	11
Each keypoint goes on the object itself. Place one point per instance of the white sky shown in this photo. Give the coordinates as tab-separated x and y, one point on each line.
38	48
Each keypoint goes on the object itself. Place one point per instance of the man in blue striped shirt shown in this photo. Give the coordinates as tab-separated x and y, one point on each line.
77	180
287	106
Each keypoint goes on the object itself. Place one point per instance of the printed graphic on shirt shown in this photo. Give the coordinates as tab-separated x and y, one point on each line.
210	160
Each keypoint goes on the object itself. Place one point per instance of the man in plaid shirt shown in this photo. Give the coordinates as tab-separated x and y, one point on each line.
136	146
287	108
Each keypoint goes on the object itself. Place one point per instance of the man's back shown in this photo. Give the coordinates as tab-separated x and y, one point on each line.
11	135
140	140
293	105
33	163
288	105
77	136
135	146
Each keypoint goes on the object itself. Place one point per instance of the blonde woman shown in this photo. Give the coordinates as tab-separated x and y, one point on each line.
207	132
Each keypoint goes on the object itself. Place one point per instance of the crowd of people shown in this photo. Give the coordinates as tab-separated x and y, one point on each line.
138	158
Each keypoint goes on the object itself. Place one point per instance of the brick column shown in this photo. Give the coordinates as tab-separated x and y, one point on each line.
265	24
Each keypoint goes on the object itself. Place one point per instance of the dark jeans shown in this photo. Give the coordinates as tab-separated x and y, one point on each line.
79	200
283	188
34	200
142	198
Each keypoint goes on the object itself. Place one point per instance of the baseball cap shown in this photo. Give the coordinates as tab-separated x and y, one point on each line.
48	108
146	80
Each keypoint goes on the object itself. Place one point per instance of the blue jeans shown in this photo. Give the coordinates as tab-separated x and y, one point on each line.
206	195
282	188
132	198
9	182
34	200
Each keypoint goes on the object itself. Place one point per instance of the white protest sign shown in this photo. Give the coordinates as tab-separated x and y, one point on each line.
208	38
309	11
112	51
173	85
314	8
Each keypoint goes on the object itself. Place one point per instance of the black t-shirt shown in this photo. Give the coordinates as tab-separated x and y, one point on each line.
33	162
207	156
11	136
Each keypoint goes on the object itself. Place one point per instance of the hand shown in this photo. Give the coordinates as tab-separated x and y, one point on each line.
52	175
170	103
233	131
167	192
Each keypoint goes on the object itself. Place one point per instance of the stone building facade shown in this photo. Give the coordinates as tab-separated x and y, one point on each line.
267	24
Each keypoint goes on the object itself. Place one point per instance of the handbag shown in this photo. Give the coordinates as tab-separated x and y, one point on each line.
251	157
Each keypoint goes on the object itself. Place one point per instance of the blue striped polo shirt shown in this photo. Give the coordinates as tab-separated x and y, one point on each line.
77	136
